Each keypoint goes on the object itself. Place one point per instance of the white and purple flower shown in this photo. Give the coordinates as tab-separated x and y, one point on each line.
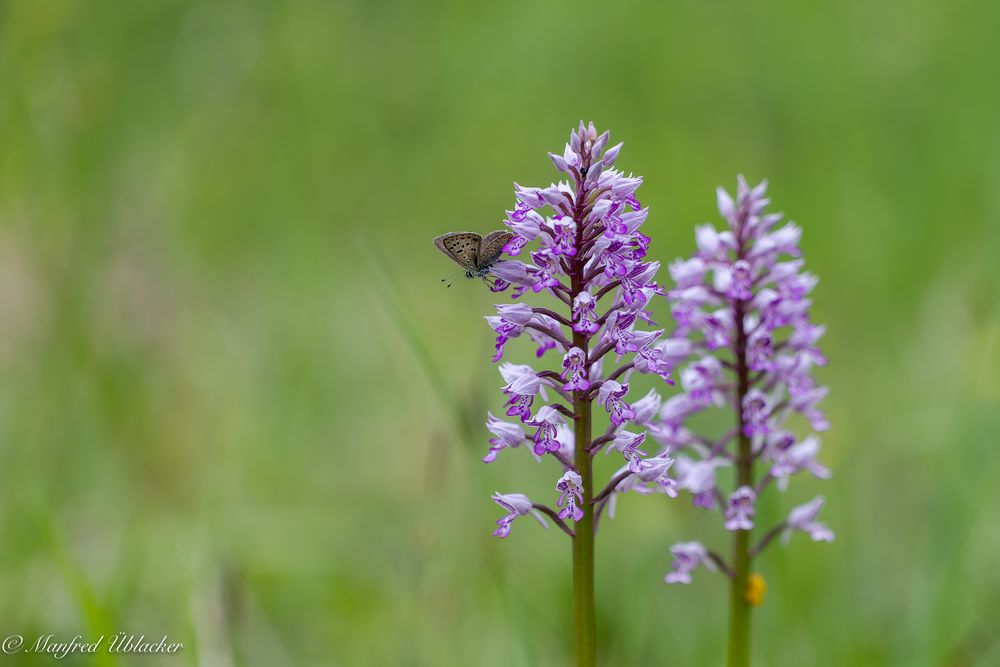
516	505
687	557
570	487
803	518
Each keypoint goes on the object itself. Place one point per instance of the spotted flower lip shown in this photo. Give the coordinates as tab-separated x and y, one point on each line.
584	317
546	421
610	395
739	514
563	236
570	486
575	370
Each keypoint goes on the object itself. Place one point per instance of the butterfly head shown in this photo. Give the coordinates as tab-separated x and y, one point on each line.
479	272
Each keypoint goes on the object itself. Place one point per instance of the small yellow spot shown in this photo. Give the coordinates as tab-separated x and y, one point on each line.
756	588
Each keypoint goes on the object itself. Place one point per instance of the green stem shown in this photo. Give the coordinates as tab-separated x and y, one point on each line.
584	625
739	607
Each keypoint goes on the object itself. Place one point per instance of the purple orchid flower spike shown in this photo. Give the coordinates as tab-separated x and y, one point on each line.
578	248
742	304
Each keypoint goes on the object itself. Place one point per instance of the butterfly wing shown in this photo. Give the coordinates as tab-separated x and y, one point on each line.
462	247
491	246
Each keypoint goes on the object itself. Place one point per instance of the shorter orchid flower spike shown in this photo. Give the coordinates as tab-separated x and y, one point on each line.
744	344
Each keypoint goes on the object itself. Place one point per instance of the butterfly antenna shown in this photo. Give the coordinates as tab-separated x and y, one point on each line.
451	279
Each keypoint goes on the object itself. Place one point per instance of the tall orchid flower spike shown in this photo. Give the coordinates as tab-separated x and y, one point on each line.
582	255
742	303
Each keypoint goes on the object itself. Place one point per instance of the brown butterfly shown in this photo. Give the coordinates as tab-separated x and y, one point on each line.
474	253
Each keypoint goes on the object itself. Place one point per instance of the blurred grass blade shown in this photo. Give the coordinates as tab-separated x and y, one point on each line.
389	296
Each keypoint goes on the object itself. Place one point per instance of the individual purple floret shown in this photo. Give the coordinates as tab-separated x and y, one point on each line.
687	557
508	323
611	394
522	387
584	317
628	444
803	518
756	410
790	457
515	504
570	487
739	513
575	370
547	420
507	436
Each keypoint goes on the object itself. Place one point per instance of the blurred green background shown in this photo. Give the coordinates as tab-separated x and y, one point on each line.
238	408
